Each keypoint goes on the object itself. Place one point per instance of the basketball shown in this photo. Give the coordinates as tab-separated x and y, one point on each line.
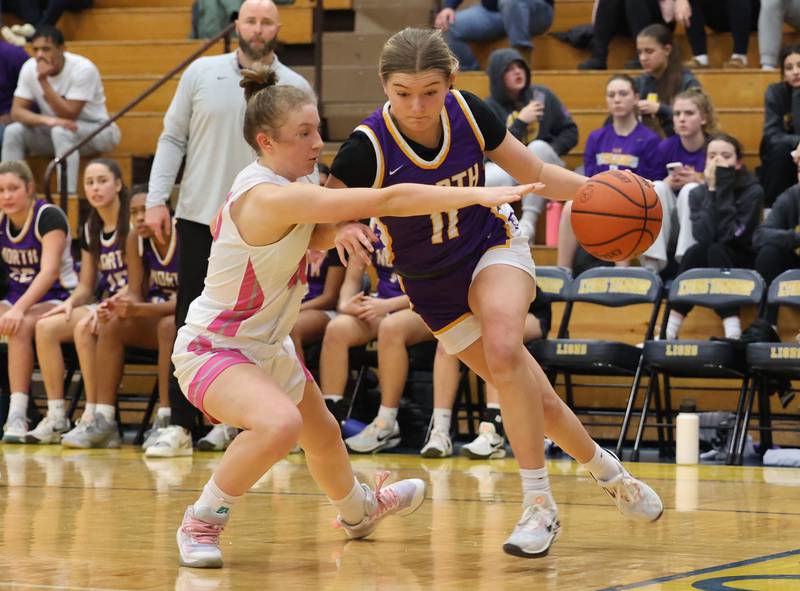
616	215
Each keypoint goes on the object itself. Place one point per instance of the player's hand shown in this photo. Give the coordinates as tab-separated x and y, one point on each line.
533	111
353	306
11	321
356	240
711	174
157	218
93	321
444	19
44	68
372	308
494	196
683	12
64	308
648	107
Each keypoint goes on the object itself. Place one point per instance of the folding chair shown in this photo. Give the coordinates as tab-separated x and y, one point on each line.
709	288
770	361
609	287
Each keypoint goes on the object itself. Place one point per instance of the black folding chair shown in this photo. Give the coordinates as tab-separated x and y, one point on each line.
776	362
610	287
709	359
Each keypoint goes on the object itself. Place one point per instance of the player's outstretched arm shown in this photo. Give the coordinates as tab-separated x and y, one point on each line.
513	157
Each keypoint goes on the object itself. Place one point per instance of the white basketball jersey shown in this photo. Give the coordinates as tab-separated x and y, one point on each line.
252	292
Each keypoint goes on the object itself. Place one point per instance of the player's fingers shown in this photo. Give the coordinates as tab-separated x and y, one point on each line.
340	251
366	240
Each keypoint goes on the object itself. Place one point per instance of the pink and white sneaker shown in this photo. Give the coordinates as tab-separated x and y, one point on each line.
402	498
198	538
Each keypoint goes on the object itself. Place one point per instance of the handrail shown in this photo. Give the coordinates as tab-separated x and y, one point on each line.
62	160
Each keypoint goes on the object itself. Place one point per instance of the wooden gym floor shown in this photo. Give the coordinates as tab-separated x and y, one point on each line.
105	520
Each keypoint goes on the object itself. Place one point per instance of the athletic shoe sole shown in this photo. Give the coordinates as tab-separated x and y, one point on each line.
14	438
388	444
495	455
45	441
435	453
515	550
168	452
113	444
204	563
206	446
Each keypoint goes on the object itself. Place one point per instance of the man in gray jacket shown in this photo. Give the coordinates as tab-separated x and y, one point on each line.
204	125
535	116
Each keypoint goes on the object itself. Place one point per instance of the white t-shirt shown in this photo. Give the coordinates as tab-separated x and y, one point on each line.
78	80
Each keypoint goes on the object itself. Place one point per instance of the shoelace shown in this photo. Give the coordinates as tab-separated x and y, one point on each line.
629	490
533	517
203	532
387	498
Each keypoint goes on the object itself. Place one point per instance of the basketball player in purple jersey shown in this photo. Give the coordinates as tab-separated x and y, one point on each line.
34	243
469	272
144	315
103	242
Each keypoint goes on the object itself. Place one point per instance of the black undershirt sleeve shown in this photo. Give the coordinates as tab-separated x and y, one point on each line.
51	219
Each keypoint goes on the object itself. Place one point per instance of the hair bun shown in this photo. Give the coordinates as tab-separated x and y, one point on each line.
256	78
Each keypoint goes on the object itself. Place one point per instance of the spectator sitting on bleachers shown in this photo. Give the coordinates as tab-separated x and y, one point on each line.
35	245
624	143
492	19
613	17
777	240
770	28
491	441
737	16
533	115
695	121
664	77
722	217
104	274
209	17
387	317
11	60
781	127
37	13
69	93
325	277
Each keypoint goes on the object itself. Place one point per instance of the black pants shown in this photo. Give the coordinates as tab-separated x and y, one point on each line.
195	242
778	171
771	261
715	255
43	13
735	16
621	17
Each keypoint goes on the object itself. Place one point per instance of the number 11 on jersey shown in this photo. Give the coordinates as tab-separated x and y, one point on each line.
437	220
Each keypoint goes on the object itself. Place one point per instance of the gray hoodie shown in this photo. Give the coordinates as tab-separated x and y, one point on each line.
556	126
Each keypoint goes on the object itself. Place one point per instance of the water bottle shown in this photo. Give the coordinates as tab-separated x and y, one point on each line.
687	434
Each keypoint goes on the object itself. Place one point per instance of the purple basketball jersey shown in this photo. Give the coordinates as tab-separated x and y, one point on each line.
316	278
22	256
388	282
435	244
163	272
112	265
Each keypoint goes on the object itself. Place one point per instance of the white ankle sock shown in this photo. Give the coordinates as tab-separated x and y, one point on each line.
107	410
534	481
389	415
441	419
212	497
88	411
674	324
733	327
18	403
351	508
702	58
56	408
603	465
164	411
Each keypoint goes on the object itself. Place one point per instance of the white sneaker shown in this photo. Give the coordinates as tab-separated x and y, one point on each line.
12	38
49	430
97	433
401	498
171	442
150	436
488	445
198	538
536	530
632	497
439	445
218	439
16	428
375	437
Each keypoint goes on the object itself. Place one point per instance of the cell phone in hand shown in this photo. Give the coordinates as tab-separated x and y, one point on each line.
674	166
538	96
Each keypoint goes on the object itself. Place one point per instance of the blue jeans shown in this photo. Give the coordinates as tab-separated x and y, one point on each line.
519	19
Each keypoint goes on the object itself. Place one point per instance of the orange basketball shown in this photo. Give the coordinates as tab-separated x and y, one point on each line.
616	215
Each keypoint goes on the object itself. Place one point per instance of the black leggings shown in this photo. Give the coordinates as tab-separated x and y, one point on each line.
778	171
43	13
715	255
195	242
735	16
621	17
771	261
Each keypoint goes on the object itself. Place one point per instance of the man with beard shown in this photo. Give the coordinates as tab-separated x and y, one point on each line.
201	125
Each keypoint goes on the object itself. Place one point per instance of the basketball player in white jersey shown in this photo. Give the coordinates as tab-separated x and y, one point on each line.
234	359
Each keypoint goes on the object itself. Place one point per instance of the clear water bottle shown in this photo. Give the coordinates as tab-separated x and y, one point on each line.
687	434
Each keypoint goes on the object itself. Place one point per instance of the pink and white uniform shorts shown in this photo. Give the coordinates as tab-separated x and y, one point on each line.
199	357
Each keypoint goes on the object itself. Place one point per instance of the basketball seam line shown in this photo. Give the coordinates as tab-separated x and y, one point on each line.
615	215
